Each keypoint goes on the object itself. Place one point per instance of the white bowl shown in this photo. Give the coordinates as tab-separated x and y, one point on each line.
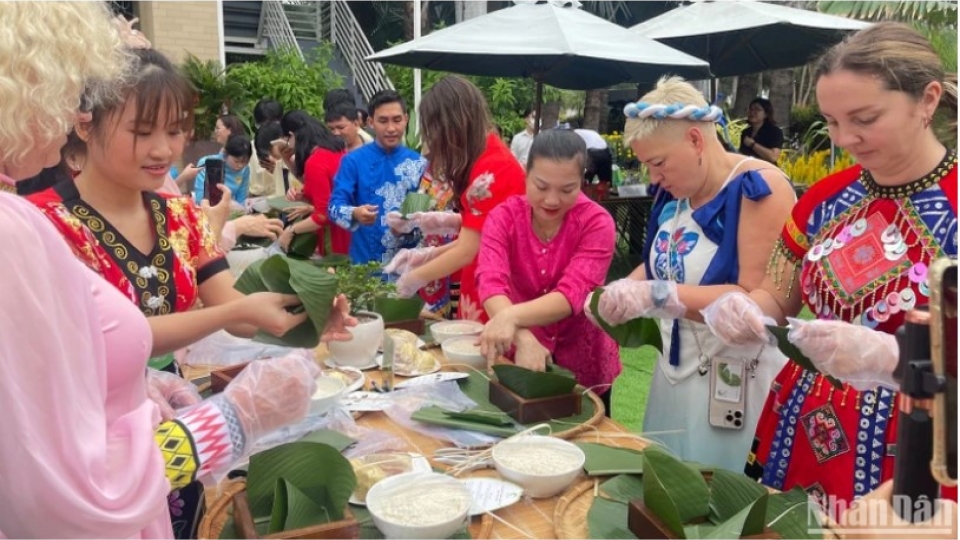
538	449
414	488
474	360
328	393
445	330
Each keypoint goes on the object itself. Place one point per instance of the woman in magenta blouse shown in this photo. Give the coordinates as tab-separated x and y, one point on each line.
540	256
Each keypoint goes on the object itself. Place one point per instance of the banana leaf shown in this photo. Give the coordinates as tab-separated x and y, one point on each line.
333	260
675	491
494	418
293	509
416	202
303	245
608	519
788	514
281	204
313	286
317	470
624	488
632	334
730	493
747	522
604	460
792	352
531	384
329	437
398	309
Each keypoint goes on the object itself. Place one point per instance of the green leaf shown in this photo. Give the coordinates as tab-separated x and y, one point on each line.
631	334
275	273
624	488
494	418
608	519
603	460
281	204
731	492
398	309
318	470
699	530
748	521
316	289
303	245
531	384
673	490
333	260
788	514
557	369
278	514
293	509
792	352
250	281
417	202
329	437
439	417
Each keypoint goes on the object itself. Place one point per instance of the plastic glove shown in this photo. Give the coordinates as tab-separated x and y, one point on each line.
409	259
439	223
856	355
873	516
399	225
737	320
408	285
270	394
626	299
170	391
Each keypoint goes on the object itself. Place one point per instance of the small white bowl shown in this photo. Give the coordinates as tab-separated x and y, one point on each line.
328	393
534	484
417	484
454	356
445	330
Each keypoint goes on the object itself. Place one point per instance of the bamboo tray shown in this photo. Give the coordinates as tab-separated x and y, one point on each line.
220	509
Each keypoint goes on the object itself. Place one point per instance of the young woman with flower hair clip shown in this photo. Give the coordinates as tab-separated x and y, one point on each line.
712	229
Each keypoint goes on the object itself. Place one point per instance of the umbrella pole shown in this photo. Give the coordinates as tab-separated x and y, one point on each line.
538	106
417	80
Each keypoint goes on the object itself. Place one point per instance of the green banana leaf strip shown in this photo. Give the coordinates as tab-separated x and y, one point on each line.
440	417
484	417
416	202
792	352
747	522
624	488
531	384
329	485
280	203
787	515
604	460
608	519
398	309
675	491
632	334
730	493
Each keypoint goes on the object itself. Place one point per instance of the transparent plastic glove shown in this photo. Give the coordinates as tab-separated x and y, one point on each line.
170	392
626	299
408	285
270	394
399	225
440	223
737	320
856	355
409	259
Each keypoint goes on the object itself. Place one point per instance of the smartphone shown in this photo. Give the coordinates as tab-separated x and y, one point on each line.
214	177
942	278
728	393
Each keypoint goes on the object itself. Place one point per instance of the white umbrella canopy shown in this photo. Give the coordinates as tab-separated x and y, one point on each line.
562	46
740	37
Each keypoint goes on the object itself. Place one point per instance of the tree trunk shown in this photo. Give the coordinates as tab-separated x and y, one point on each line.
781	86
550	114
748	87
473	9
594	109
408	21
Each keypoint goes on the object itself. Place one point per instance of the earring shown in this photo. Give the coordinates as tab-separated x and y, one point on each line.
700	161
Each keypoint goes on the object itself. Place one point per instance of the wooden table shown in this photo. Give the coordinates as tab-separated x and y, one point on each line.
532	516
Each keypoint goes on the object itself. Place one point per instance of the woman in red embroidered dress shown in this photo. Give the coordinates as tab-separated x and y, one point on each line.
465	151
856	251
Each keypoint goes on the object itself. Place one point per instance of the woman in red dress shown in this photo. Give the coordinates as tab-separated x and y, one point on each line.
466	152
856	251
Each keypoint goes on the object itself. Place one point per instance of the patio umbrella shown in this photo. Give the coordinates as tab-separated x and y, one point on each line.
746	36
557	45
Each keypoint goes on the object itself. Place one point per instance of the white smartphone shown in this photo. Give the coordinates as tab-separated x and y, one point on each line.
728	392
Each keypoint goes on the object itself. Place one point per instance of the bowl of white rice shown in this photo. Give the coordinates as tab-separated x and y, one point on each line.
419	505
463	350
327	395
444	330
542	466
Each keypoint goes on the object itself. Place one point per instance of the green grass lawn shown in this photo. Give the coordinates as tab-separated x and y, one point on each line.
632	386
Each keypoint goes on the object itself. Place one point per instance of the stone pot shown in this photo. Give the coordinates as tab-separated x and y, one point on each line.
360	351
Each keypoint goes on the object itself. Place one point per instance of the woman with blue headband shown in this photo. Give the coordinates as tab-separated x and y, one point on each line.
713	227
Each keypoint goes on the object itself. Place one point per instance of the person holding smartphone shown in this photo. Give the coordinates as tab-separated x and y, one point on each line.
236	171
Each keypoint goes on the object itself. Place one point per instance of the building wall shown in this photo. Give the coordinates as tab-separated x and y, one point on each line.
178	28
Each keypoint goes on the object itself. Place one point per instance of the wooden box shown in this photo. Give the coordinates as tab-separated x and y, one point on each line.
643	523
220	378
348	527
531	411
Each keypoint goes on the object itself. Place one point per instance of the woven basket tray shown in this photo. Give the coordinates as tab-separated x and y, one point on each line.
218	512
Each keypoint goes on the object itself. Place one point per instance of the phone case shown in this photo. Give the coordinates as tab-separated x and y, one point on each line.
728	393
